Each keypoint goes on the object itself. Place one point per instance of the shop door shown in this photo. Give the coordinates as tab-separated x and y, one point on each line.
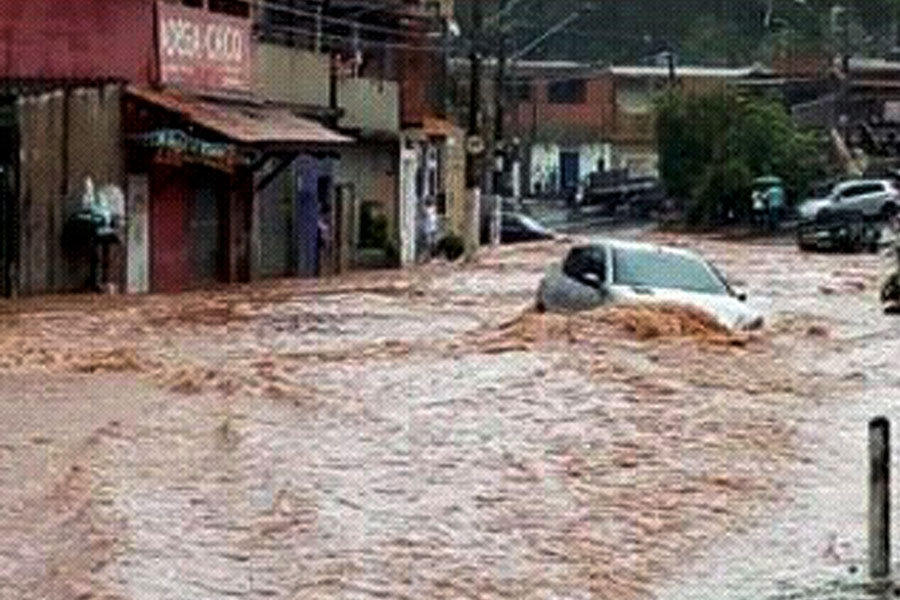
7	229
9	235
169	268
409	202
205	231
308	213
276	223
569	165
327	265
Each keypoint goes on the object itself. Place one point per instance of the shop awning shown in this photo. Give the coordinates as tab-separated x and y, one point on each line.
243	122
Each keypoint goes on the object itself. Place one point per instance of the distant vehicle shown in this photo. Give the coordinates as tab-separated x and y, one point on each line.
618	191
877	199
842	230
613	272
516	228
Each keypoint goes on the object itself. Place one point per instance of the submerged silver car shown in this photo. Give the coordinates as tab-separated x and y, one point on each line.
615	272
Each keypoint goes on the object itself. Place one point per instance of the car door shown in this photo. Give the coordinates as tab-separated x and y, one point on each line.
867	198
512	230
848	197
875	201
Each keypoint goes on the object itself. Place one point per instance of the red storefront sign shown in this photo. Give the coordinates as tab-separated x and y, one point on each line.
204	50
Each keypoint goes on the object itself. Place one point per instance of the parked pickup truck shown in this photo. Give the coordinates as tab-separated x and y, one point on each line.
617	192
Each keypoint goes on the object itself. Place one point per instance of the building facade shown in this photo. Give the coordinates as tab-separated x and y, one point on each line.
249	139
569	120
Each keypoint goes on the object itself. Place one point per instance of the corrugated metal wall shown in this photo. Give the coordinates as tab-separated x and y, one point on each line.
65	136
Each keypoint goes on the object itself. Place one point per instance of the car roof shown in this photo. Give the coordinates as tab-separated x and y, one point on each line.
627	245
855	182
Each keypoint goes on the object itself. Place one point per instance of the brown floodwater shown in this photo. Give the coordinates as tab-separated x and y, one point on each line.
426	435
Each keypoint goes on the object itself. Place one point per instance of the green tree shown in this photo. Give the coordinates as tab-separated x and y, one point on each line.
711	148
706	32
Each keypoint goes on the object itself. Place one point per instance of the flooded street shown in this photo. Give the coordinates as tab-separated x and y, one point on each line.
814	546
425	435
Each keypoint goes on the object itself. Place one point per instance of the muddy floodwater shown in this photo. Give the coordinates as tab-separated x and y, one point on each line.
426	435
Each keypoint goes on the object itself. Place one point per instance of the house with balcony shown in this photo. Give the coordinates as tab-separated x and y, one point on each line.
569	120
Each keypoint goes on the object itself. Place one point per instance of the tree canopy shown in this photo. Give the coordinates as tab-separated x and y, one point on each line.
714	32
711	147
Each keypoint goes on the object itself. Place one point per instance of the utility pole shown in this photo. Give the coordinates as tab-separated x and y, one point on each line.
500	154
500	95
840	25
475	138
673	76
318	42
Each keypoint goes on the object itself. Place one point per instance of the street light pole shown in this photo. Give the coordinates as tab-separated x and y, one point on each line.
500	106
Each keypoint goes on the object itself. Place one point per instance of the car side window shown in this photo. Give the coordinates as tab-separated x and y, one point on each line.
862	190
512	224
584	261
850	192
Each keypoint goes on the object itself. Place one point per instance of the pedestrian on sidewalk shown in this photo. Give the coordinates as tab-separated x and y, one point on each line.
431	227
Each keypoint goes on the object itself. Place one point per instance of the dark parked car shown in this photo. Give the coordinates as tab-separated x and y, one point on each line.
517	227
842	230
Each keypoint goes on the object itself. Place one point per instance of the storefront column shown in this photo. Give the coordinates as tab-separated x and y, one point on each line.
240	219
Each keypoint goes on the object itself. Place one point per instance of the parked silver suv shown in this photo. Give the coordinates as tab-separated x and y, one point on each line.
874	198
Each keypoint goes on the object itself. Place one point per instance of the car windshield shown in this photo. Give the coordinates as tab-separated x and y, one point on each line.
530	223
665	270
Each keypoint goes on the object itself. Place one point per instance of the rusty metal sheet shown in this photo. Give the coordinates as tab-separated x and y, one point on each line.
435	127
243	122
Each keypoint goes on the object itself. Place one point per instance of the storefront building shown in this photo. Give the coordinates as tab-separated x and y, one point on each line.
164	107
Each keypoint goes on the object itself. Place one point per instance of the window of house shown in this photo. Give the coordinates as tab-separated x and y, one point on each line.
235	8
635	96
191	3
521	91
569	91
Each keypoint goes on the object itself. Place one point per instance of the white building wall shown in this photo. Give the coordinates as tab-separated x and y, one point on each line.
590	156
544	169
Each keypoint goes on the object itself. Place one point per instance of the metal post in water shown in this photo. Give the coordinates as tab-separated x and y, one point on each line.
880	498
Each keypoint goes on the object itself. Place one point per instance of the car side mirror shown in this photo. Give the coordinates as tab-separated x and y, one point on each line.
592	279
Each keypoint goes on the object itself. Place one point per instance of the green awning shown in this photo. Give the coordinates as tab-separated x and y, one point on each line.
769	181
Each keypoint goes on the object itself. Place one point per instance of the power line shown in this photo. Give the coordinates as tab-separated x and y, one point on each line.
506	10
312	33
596	34
272	6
